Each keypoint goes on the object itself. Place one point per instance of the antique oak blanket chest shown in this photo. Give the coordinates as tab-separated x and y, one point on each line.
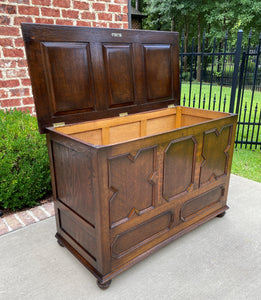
131	169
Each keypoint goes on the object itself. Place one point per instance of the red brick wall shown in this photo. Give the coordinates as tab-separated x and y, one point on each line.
15	87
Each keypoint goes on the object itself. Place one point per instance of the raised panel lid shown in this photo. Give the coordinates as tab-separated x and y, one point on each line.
82	73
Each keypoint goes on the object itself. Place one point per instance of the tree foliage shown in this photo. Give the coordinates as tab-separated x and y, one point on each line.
192	17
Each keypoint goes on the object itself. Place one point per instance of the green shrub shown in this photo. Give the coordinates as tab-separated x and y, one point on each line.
185	76
24	168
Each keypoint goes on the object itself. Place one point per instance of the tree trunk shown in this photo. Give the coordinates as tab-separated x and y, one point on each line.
199	50
172	27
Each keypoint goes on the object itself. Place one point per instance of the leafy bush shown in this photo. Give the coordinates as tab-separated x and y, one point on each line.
185	76
24	169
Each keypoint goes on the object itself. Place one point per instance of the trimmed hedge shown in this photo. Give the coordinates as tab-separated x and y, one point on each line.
24	169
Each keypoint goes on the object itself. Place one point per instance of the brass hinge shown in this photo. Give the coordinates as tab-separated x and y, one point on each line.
124	114
171	105
61	124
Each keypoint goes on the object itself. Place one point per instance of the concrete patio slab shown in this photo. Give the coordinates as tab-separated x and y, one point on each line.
219	260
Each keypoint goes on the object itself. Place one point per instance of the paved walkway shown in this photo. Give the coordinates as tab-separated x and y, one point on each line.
219	260
24	218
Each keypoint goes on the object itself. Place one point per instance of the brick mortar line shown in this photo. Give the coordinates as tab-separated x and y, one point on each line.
45	211
32	215
40	15
7	225
18	218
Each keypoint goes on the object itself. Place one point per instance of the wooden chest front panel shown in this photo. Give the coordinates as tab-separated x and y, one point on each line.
119	202
160	185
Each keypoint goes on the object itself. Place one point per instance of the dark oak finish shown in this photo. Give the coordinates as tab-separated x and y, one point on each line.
103	286
60	243
221	215
124	186
81	73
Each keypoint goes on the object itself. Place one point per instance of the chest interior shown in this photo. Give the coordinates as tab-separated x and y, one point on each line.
126	128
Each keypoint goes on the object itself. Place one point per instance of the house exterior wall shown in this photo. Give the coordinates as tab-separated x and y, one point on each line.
15	85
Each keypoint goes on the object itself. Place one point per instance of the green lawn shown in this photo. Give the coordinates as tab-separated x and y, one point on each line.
246	162
216	89
205	91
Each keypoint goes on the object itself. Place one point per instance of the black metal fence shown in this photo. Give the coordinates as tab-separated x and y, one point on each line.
225	79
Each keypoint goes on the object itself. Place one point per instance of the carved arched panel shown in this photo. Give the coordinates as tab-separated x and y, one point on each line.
179	167
132	181
216	145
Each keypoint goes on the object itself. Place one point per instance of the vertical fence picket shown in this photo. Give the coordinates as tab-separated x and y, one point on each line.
241	75
257	134
224	103
184	100
204	101
214	102
191	70
181	59
253	86
201	70
223	69
243	127
235	73
253	130
212	71
244	66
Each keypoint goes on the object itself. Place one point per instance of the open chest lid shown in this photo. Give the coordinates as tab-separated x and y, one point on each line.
81	73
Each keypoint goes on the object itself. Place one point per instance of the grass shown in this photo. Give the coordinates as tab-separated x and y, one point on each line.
246	162
216	89
205	91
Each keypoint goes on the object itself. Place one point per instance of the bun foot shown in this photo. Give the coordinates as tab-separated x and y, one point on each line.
60	243
105	285
221	215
